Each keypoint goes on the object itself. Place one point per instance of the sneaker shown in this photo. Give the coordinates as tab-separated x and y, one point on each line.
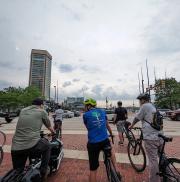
120	143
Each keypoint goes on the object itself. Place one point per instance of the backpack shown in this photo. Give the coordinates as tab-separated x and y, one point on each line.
157	122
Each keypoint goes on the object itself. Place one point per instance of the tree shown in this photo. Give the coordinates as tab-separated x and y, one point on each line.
13	97
167	93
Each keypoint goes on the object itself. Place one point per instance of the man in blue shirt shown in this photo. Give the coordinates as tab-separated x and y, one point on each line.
96	123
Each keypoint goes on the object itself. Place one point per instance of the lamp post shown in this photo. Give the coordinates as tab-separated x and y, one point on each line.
54	93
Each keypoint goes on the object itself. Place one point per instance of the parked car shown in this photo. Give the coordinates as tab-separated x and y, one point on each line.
110	114
163	112
77	113
68	114
174	115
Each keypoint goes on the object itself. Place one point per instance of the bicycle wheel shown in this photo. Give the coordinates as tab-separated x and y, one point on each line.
137	156
108	170
115	177
2	138
1	155
172	170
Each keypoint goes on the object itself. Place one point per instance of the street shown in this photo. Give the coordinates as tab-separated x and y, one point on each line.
74	166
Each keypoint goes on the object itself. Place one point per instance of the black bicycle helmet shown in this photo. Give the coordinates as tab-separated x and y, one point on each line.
144	96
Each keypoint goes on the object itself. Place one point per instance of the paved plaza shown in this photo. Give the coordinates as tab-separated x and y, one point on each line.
74	166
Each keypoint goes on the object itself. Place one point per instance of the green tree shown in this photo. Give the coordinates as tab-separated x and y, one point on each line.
167	93
13	97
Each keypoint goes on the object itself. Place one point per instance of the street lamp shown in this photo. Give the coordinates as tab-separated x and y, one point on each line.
55	94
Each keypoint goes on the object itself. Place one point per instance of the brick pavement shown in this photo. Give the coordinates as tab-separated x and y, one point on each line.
72	170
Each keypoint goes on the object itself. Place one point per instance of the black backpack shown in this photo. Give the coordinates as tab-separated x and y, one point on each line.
157	122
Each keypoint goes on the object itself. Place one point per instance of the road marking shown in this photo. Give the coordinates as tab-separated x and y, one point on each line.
83	155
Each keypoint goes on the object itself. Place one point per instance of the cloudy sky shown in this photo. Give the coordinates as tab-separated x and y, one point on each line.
98	46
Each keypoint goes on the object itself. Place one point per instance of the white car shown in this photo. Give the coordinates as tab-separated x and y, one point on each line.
110	115
68	114
163	112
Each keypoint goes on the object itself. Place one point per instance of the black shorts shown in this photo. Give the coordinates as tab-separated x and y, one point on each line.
58	121
93	152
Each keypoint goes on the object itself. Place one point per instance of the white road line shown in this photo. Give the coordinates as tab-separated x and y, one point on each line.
78	154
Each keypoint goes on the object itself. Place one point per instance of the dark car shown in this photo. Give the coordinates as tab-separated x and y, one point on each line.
174	115
9	116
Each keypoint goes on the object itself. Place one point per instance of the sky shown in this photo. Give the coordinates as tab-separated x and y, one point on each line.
98	46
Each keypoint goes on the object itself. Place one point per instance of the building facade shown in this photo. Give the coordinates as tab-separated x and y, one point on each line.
40	71
74	103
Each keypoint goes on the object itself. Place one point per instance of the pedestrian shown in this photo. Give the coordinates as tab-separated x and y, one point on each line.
58	119
152	142
120	117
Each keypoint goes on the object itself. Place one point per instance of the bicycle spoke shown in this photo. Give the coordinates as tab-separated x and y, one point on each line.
137	157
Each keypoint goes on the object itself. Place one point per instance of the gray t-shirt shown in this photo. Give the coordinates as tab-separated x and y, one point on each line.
146	113
28	127
59	114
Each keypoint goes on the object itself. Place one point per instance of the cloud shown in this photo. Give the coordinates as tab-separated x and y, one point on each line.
163	33
89	69
76	16
4	84
66	68
67	83
76	80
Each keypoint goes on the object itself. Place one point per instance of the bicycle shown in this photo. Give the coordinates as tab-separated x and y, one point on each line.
112	174
2	142
129	134
136	153
169	168
31	172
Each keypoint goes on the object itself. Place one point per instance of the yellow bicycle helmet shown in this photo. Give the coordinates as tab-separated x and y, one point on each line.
90	101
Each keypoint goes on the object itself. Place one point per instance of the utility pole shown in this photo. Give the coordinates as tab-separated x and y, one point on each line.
142	81
57	92
148	79
139	84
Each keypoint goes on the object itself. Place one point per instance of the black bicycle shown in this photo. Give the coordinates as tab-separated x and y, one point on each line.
128	133
136	153
2	142
169	168
112	174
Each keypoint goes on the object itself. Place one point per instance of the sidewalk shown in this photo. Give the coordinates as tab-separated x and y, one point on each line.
75	167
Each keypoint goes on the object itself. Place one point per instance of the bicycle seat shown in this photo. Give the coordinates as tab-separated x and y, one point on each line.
165	138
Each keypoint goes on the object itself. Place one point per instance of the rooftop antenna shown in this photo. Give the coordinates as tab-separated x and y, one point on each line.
139	84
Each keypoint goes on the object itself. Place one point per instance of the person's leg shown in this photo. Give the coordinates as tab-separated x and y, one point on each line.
19	159
43	147
93	153
152	153
120	132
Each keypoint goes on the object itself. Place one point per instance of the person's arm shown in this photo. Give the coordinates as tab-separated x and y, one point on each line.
138	117
134	122
84	120
47	123
109	128
115	117
126	114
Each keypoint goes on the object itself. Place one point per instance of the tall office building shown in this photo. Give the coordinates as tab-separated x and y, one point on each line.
40	71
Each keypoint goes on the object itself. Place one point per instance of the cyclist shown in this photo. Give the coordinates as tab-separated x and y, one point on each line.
96	123
150	135
58	118
27	141
120	117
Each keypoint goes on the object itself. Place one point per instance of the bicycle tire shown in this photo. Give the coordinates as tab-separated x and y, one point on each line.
114	175
2	138
137	152
108	170
172	170
1	155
